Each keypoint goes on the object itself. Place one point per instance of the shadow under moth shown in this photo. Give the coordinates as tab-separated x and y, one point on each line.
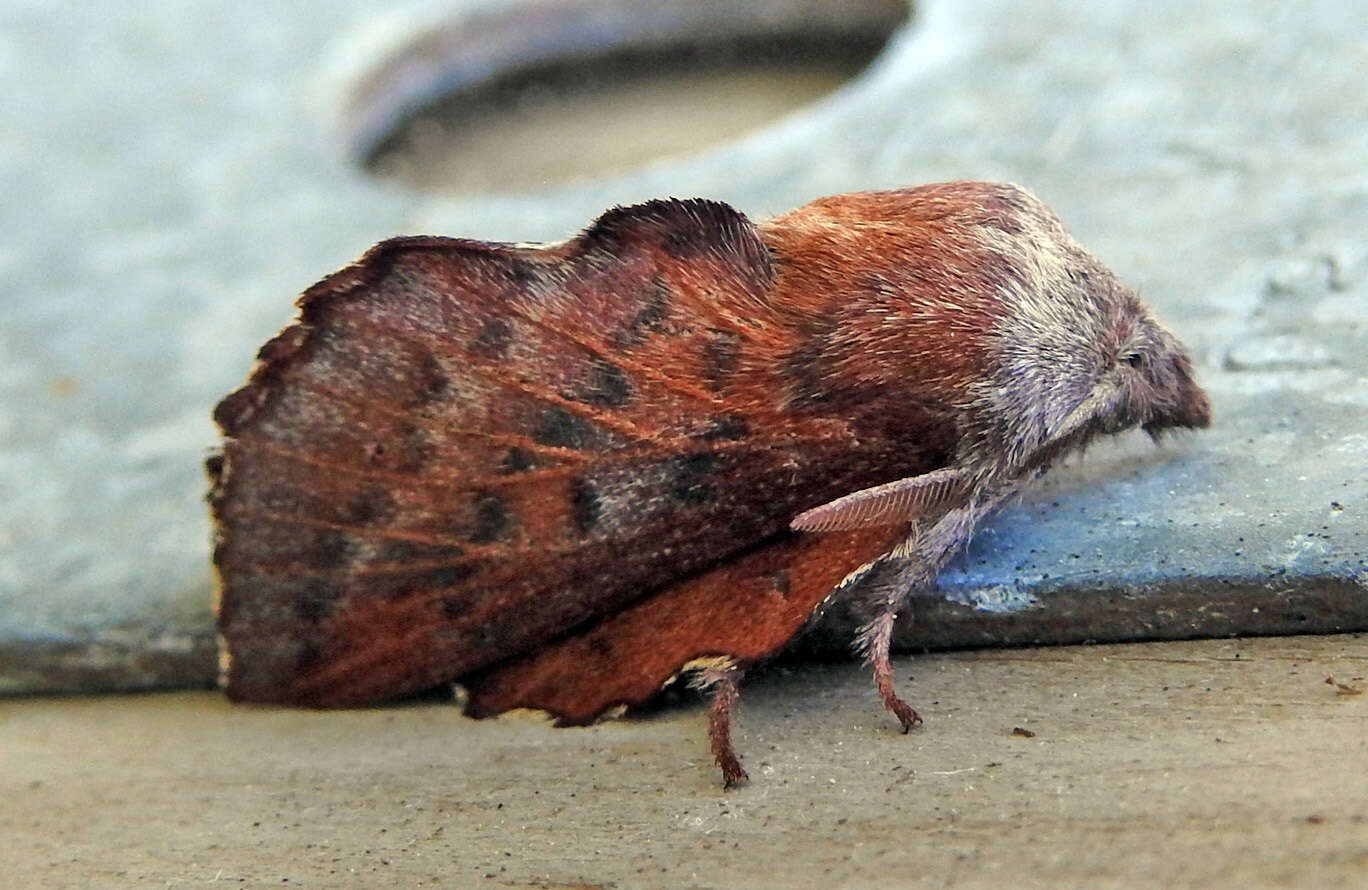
561	475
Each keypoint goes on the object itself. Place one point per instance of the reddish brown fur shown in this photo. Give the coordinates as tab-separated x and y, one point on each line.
901	292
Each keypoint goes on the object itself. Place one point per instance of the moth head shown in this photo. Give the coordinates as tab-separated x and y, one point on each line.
1117	369
1152	377
1078	355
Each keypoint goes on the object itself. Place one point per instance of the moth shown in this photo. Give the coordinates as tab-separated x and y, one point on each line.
561	475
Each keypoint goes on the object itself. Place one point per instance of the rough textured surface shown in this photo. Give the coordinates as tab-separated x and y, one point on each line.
1200	764
167	197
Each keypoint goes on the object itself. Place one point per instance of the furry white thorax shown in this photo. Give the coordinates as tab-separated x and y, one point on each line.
1059	303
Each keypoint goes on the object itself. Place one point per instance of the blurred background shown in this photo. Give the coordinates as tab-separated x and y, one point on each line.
570	92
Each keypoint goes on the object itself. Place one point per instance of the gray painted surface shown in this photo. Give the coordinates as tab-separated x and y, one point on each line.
173	174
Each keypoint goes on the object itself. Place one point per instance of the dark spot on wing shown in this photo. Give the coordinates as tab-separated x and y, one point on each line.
727	428
719	358
414	551
421	582
331	549
370	505
803	371
432	381
307	656
690	478
451	607
561	429
443	577
311	610
493	339
492	635
607	386
600	647
314	601
400	551
213	465
780	579
492	519
649	318
518	460
586	509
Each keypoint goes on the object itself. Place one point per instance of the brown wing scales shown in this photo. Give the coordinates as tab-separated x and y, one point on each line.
463	450
753	606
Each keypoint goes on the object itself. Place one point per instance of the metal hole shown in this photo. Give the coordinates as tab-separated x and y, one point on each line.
549	94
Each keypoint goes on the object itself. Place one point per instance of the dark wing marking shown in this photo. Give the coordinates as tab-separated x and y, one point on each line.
462	450
745	610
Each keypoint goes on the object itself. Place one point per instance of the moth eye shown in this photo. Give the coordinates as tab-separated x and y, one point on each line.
1135	359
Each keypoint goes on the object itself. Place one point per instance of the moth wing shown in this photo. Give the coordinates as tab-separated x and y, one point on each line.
897	502
462	450
745	610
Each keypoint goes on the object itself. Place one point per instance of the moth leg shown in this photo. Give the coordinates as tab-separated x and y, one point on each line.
722	682
875	639
911	568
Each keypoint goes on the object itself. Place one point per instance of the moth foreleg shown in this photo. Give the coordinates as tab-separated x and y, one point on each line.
909	570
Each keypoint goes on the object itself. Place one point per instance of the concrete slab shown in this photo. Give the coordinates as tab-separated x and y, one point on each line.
173	176
1168	765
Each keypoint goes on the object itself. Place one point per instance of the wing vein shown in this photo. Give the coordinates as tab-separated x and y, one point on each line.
579	409
600	350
